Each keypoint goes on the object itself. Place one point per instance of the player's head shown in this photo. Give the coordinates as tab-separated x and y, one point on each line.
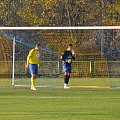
37	47
69	47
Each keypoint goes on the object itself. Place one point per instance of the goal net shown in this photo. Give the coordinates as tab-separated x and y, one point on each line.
97	63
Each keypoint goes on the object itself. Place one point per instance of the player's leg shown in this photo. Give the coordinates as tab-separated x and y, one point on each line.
64	69
66	79
33	81
33	70
35	75
67	74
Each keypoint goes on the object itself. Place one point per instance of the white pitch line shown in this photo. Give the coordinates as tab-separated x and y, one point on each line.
59	97
44	112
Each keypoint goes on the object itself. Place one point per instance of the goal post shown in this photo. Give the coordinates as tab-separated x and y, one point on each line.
13	63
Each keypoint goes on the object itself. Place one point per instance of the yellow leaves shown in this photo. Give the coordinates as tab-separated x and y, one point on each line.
49	3
109	22
37	1
31	18
42	15
55	12
118	8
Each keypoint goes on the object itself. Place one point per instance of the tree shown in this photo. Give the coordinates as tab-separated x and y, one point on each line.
59	12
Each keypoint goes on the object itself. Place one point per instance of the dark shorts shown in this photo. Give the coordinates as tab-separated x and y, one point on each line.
66	68
33	69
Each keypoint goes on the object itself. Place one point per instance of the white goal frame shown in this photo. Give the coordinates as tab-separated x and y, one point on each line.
49	28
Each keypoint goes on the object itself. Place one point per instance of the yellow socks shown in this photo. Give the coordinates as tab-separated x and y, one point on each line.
32	83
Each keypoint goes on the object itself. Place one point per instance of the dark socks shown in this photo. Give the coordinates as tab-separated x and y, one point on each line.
66	79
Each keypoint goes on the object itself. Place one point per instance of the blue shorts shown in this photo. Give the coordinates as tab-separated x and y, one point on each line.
65	68
33	69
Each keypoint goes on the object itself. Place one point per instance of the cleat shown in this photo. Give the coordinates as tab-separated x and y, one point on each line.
33	88
66	87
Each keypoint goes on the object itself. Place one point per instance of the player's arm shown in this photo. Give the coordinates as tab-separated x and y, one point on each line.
39	61
28	57
73	55
39	65
63	57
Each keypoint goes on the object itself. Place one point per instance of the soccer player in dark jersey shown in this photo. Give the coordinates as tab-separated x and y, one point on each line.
67	59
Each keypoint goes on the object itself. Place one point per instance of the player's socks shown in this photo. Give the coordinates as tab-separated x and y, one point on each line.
66	79
32	83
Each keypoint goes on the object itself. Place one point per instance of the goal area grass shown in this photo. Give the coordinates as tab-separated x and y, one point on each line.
56	82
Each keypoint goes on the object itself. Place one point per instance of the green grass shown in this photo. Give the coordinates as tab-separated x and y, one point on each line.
59	81
59	104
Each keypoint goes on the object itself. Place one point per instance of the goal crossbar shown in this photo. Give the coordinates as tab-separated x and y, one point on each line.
60	28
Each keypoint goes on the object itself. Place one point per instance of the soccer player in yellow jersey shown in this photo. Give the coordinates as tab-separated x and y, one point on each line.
33	61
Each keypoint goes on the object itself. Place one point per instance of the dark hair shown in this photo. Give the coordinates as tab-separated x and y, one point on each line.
69	45
38	45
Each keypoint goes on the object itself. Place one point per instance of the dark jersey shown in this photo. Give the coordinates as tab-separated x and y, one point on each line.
68	57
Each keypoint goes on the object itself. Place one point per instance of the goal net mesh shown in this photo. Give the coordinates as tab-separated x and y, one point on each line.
97	61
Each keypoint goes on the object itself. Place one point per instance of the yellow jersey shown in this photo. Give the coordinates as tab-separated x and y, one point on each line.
33	57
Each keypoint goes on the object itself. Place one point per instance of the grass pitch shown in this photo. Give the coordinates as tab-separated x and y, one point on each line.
59	104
